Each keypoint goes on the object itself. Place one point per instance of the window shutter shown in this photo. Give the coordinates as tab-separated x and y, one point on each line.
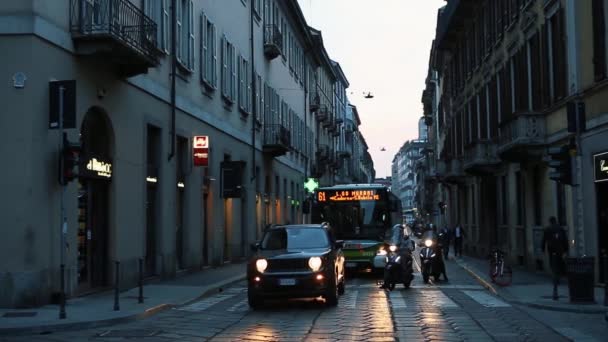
234	75
191	35
204	64
224	66
249	79
165	27
179	31
213	47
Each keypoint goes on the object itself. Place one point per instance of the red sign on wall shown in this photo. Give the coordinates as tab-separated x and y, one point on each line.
200	150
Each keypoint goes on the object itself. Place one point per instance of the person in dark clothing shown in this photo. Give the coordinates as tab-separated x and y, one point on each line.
446	236
458	237
555	242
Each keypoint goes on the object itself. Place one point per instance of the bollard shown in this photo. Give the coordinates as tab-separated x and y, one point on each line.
62	294
116	285
140	299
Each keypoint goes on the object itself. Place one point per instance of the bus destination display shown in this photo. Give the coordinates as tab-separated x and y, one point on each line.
348	195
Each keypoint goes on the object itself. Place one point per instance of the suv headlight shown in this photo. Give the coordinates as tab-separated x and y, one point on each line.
315	263
261	265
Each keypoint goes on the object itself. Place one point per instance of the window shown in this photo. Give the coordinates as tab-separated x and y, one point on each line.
558	53
228	71
599	39
244	85
159	12
185	33
208	53
259	99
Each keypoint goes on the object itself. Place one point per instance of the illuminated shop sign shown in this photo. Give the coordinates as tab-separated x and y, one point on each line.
200	150
95	167
348	195
600	162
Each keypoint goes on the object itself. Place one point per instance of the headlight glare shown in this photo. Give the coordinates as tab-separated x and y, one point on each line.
393	248
428	242
315	263
382	251
261	265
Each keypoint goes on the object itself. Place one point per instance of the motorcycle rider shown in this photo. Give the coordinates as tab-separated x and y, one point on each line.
437	248
405	245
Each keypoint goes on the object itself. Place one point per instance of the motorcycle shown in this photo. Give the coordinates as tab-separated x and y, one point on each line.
395	272
429	260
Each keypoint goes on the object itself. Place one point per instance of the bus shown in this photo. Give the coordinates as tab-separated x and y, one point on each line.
362	215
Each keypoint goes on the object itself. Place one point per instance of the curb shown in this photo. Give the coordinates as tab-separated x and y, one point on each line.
492	289
50	328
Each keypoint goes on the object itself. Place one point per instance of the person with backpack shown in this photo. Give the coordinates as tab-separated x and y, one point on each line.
555	242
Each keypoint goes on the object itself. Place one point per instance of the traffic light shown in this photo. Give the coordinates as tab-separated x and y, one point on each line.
68	161
561	162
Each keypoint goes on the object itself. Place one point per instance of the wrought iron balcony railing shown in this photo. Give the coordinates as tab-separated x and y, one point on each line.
114	27
277	139
273	41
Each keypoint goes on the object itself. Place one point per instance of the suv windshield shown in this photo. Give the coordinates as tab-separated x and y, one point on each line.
295	238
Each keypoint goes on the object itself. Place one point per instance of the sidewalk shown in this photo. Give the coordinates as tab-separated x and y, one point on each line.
531	288
98	310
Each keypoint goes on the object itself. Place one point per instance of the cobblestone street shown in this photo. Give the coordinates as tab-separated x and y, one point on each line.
460	310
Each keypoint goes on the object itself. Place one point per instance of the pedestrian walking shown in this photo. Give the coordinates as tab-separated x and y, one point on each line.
555	242
446	236
458	237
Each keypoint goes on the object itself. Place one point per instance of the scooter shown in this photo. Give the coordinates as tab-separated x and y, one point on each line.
395	271
428	260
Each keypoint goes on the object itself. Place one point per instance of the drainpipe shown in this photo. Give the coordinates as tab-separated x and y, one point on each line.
253	91
173	71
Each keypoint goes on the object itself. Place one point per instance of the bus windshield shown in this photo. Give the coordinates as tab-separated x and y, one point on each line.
353	218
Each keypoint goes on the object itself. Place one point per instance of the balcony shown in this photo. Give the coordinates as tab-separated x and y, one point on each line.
277	140
481	158
344	153
522	138
454	172
273	41
115	31
322	114
317	169
315	101
323	153
329	123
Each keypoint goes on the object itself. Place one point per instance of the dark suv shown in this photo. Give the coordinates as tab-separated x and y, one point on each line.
300	260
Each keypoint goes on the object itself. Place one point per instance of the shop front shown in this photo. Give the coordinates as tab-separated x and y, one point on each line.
600	162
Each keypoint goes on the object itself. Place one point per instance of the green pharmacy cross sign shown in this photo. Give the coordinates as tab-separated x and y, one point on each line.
311	185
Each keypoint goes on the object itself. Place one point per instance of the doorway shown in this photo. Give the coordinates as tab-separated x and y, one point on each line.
92	234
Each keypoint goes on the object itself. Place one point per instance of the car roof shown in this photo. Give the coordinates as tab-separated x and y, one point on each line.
300	226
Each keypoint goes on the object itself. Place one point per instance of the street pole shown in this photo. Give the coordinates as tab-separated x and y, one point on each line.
63	221
577	191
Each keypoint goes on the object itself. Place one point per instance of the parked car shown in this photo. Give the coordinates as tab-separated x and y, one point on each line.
292	261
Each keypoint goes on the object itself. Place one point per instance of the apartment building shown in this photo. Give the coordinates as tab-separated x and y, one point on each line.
507	76
197	126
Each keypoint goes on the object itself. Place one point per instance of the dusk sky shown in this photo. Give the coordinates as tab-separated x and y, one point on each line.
383	47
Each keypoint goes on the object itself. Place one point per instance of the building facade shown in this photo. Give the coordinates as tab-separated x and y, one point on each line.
505	77
135	82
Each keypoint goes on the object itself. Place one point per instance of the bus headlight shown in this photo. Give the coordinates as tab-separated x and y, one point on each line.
428	242
261	265
315	263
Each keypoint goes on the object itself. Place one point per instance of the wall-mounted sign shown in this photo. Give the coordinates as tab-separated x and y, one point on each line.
600	162
200	150
95	167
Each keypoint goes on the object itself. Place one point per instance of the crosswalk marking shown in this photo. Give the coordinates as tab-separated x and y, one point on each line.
438	298
239	307
397	300
486	299
428	286
205	303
